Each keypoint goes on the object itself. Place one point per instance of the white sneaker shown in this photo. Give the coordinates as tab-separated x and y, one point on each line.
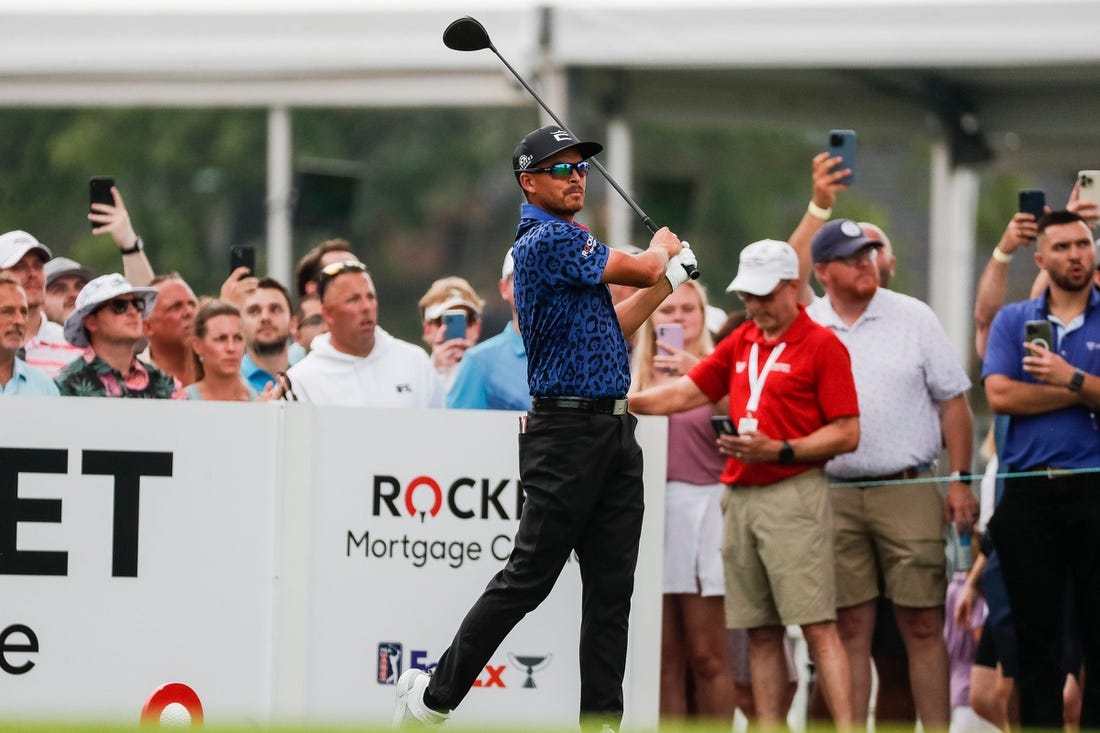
410	710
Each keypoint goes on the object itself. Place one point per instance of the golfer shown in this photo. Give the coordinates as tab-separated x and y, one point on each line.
579	462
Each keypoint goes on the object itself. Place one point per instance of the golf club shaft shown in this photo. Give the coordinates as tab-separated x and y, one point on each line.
649	224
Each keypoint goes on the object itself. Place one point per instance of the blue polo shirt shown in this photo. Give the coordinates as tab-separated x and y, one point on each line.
258	377
574	342
27	380
1069	437
493	375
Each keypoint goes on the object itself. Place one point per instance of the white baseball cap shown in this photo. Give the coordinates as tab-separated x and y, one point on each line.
62	266
15	244
96	292
764	265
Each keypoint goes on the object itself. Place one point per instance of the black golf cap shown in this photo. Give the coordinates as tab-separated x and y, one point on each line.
540	144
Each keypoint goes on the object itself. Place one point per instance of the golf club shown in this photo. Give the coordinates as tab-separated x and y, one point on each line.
467	34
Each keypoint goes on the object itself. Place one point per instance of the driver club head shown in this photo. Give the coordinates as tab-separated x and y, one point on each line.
466	34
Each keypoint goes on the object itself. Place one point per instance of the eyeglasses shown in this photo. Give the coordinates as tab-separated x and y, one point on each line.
865	254
118	306
312	321
750	298
561	171
336	268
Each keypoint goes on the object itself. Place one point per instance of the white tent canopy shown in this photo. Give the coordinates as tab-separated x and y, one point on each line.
1028	69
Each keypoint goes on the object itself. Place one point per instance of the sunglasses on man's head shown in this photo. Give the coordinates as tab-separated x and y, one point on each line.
118	306
562	171
336	268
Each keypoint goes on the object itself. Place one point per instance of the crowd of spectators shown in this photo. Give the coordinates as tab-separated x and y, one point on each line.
66	332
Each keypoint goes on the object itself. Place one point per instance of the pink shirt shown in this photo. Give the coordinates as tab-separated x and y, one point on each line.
693	455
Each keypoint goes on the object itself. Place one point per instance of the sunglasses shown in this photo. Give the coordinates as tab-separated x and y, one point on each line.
336	268
118	306
869	254
312	321
750	298
561	171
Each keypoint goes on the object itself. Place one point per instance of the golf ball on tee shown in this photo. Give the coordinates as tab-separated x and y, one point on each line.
175	715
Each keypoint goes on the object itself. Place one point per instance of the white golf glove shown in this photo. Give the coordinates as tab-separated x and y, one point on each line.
676	272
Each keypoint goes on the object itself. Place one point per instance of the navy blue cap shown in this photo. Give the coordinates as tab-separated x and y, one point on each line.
840	238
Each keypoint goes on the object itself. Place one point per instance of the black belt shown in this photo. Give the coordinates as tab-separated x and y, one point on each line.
908	473
599	405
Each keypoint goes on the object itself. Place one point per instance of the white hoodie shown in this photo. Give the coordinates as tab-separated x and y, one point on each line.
394	374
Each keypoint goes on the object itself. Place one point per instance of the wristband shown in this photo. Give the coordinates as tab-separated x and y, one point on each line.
815	210
138	246
1003	257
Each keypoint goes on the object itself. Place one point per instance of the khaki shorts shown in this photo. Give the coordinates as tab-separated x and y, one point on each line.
896	530
778	548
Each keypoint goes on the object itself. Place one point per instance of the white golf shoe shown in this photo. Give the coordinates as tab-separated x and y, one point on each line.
410	710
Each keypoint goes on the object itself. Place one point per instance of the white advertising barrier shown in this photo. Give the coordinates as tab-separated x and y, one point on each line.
413	513
284	561
135	549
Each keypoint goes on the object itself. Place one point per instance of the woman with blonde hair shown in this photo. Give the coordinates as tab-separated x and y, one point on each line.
693	634
218	348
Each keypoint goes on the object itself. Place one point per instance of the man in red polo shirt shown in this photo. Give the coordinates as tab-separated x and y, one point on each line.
793	401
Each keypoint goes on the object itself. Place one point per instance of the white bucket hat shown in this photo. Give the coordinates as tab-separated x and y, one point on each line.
97	292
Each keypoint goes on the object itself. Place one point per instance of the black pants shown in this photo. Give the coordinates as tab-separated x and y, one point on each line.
1046	529
582	475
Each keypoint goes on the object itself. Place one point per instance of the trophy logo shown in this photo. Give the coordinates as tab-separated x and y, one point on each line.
531	664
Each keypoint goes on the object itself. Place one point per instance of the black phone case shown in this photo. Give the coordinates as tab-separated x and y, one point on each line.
242	256
1032	201
99	192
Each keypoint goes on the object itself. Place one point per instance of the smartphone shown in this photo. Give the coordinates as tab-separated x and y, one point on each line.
843	143
1032	201
1088	186
1039	332
454	325
672	334
722	425
99	192
242	255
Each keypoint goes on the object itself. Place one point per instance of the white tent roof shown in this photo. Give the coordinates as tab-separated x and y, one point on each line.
356	53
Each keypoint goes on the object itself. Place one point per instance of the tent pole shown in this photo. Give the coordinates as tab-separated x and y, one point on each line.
279	175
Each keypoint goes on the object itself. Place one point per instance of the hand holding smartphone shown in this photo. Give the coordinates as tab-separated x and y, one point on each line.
671	334
1032	201
1088	186
99	192
1039	332
242	256
842	143
454	324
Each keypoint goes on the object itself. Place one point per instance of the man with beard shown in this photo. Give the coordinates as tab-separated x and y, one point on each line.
16	378
265	318
1047	527
357	362
912	395
170	326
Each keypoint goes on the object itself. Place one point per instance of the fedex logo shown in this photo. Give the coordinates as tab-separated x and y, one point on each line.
390	666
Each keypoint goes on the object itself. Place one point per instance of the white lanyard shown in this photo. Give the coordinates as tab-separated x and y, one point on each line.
757	379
